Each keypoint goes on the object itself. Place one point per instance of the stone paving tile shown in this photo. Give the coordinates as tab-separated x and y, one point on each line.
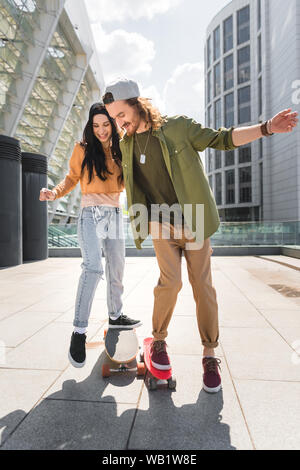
47	349
190	418
27	325
74	425
234	308
258	353
272	410
20	390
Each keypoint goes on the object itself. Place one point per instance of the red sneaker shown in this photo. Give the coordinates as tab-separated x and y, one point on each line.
159	356
211	376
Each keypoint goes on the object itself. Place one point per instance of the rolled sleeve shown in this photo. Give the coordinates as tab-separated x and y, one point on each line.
203	137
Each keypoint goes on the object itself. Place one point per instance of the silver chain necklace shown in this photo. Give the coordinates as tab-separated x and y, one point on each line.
142	154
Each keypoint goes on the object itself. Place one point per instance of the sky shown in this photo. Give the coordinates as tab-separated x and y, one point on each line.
158	43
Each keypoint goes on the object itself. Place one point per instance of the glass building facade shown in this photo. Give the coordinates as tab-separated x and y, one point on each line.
233	79
47	84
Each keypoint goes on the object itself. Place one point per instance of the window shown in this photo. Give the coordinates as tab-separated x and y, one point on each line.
243	25
229	181
245	154
208	87
217	114
244	104
245	184
56	53
210	161
258	14
229	110
261	177
261	148
218	186
229	158
217	79
218	159
228	72
228	34
210	181
259	53
244	64
208	52
217	43
209	117
259	97
26	5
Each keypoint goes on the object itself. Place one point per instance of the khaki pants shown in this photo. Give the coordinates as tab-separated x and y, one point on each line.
169	252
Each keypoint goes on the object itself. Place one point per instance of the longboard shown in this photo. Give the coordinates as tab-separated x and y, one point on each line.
121	346
157	374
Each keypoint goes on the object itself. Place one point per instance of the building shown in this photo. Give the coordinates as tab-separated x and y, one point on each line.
49	76
252	67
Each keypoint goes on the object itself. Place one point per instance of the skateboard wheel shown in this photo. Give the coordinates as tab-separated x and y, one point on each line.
152	384
172	383
142	358
104	333
105	370
140	369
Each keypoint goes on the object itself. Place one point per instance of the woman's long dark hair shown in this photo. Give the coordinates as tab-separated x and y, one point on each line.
94	153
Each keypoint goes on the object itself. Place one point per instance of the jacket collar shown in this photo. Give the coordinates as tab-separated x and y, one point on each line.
157	133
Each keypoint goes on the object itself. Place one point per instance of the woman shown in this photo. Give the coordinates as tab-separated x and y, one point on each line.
97	162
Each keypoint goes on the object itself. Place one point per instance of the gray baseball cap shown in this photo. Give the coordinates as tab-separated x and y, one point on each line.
120	89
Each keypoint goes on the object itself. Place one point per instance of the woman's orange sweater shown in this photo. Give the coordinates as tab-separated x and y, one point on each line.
96	185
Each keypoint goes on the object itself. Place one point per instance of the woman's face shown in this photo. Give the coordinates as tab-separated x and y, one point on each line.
102	128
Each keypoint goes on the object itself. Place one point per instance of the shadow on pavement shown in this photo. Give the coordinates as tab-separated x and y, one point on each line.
80	416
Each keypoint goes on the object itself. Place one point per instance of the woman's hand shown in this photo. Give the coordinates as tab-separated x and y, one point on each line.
284	121
47	195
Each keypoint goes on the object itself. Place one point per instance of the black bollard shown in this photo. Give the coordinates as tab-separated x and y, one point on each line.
10	202
35	212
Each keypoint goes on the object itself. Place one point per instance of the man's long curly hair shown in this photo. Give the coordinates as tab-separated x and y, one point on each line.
149	113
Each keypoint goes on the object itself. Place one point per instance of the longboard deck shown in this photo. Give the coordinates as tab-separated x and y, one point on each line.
158	374
121	345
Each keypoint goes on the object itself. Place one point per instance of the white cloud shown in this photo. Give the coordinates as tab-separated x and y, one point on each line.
123	53
184	91
121	10
156	98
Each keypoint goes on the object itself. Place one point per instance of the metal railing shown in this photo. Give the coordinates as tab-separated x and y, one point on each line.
228	234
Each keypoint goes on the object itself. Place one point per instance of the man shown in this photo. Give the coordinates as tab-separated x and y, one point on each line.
162	167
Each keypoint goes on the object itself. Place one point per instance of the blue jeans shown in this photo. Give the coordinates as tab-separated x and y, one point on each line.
100	227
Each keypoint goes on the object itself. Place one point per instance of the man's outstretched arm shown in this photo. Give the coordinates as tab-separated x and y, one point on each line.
282	122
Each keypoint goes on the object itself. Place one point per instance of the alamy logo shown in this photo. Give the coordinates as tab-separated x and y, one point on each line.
166	221
296	94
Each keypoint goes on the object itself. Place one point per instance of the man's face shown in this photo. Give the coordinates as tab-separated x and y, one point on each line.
126	116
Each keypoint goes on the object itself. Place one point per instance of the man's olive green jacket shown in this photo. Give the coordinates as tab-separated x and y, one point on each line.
181	139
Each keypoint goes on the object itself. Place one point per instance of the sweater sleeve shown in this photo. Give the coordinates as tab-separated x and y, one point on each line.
73	176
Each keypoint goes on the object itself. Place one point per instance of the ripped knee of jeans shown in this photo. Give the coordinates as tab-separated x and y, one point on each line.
100	274
92	270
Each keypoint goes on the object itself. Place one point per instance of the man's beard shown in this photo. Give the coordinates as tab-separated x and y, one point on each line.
133	127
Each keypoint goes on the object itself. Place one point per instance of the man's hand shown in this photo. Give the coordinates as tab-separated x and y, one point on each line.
284	121
47	195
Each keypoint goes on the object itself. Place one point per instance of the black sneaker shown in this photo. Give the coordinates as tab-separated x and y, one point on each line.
124	322
77	350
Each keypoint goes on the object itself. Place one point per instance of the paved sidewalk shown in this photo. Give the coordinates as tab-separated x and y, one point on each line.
47	404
